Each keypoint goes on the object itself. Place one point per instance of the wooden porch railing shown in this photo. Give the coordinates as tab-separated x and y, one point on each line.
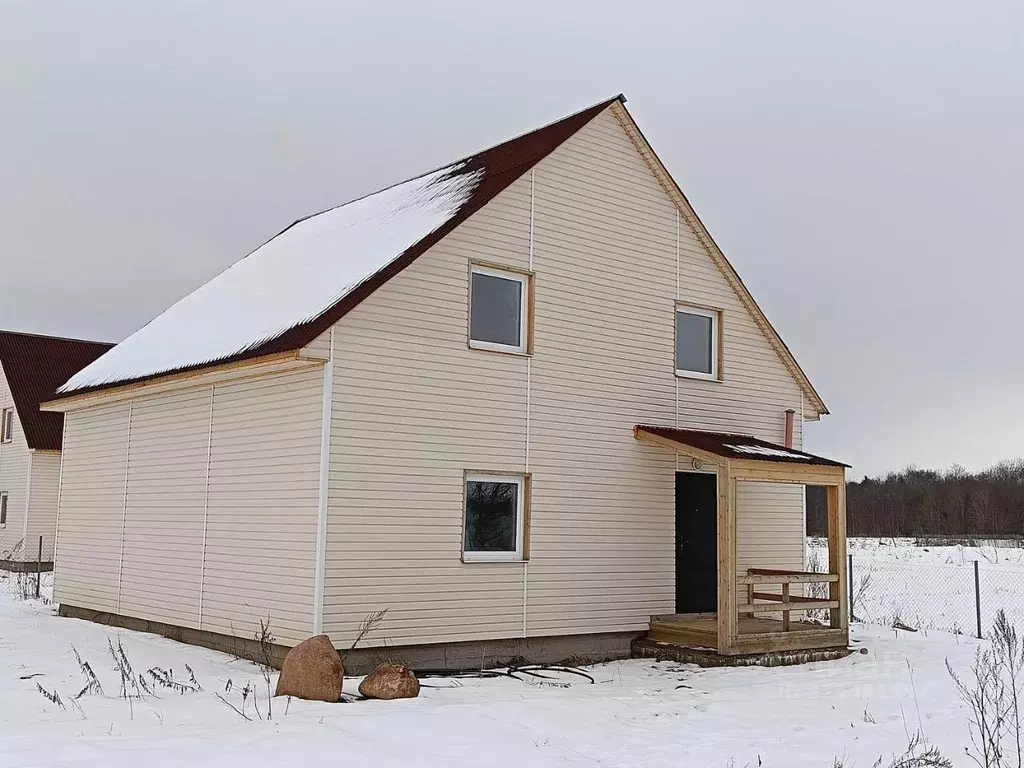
759	602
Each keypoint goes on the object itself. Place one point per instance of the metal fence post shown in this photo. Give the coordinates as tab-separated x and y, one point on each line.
39	566
977	597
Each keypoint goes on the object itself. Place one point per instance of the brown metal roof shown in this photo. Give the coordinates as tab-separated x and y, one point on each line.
500	165
732	446
34	367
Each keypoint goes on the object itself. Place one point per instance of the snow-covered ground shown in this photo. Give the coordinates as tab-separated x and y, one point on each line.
636	713
932	587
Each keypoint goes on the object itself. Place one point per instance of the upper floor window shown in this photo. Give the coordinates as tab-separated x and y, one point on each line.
498	316
697	342
6	425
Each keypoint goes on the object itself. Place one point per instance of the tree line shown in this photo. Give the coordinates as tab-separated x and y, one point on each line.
921	502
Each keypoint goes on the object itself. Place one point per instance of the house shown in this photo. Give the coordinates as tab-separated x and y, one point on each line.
521	403
31	369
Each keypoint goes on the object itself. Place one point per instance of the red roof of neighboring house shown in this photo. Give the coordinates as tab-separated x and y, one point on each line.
34	367
737	446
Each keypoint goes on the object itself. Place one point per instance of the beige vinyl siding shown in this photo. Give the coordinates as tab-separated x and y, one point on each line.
163	525
603	511
769	526
238	462
91	513
414	408
42	504
319	348
261	521
14	461
770	531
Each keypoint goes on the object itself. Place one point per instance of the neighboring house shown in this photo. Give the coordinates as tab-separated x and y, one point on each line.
423	401
31	369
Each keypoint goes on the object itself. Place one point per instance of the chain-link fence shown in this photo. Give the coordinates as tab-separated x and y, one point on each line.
27	585
947	588
23	576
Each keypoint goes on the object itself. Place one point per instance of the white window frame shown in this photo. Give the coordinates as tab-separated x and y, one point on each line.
6	425
716	319
5	503
469	556
524	316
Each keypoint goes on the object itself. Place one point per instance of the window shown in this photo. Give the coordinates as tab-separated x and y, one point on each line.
6	424
697	342
497	310
3	509
495	518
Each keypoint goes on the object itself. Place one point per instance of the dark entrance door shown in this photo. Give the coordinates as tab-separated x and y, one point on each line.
696	542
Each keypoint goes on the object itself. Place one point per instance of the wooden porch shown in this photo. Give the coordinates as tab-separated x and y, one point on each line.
756	630
756	610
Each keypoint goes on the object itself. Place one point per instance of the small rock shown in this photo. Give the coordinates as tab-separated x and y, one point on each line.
312	670
390	681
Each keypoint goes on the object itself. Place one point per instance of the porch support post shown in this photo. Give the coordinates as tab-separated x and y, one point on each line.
839	618
727	618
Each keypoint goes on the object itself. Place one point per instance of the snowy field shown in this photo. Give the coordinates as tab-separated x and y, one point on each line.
932	587
637	713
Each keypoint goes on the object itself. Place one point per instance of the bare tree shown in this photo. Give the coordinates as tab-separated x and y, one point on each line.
922	502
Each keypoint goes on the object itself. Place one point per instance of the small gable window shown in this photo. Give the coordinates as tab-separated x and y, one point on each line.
6	425
498	316
697	342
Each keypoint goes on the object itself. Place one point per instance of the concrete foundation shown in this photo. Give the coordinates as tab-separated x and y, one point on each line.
235	646
645	648
574	650
473	655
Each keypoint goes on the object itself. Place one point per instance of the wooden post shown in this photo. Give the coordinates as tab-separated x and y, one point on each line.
785	599
727	616
836	499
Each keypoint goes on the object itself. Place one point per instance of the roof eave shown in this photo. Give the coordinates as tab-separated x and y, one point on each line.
66	401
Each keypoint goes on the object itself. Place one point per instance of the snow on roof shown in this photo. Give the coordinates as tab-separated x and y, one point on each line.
734	446
289	280
760	450
293	288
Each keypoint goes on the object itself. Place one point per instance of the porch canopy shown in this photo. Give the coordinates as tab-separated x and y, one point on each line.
743	458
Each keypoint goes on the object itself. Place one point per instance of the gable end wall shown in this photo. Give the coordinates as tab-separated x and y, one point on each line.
414	408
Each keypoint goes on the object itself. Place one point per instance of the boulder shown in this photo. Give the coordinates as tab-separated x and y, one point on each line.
390	681
312	670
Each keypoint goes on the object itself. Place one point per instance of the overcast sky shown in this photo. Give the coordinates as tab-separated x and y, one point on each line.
861	164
